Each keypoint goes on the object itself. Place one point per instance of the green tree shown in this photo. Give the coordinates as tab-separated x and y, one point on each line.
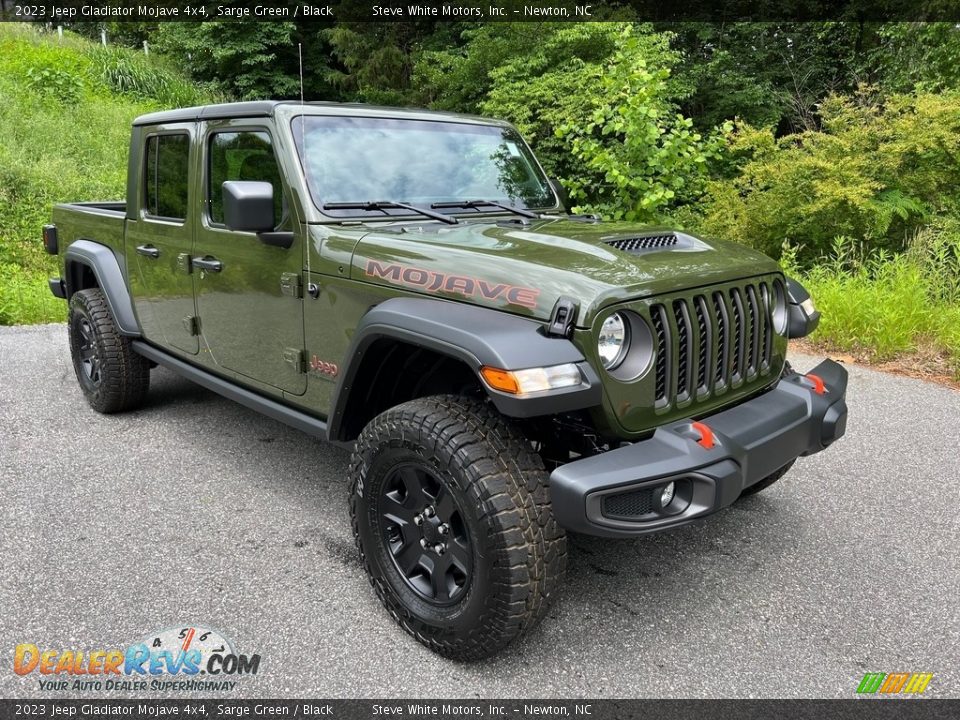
249	60
880	169
637	155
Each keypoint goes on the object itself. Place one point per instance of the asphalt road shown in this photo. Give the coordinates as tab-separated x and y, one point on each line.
195	510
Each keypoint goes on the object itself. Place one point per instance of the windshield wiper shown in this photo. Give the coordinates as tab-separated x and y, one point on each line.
382	206
477	204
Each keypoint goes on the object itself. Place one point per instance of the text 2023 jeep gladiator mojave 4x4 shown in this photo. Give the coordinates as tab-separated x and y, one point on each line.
410	284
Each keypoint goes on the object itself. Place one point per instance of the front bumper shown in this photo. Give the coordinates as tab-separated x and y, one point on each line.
612	494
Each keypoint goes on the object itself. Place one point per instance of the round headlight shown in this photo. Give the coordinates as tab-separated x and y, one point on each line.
614	341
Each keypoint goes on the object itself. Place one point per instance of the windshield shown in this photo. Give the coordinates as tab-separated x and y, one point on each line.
417	162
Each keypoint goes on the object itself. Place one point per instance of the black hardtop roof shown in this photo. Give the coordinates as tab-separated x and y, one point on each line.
266	108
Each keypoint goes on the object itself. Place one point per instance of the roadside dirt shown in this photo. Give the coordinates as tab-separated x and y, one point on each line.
924	364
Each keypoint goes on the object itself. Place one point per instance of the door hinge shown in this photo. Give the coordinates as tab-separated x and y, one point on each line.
297	358
290	284
184	263
191	323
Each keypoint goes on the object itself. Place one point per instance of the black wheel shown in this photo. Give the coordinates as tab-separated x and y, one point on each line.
451	514
767	481
112	376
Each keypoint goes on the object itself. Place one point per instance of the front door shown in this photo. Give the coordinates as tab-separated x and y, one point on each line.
248	292
159	241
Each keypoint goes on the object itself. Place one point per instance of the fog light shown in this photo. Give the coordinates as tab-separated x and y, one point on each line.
666	494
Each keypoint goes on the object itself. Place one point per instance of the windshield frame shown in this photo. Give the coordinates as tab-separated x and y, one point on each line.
399	214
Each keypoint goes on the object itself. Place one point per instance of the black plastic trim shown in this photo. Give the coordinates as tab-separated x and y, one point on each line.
101	260
57	288
753	440
271	408
477	336
799	324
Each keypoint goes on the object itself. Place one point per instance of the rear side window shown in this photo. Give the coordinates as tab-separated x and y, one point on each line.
241	155
167	172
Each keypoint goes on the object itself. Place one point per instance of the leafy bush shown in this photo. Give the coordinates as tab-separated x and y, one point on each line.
54	150
878	171
638	155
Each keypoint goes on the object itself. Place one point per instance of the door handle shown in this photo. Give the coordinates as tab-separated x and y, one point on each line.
208	263
148	251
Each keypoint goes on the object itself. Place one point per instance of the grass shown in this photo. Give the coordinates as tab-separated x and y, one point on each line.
65	114
884	307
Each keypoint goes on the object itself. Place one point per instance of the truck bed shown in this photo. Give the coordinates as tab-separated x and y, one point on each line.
98	221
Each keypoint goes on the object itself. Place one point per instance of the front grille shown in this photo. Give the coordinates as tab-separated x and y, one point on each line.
712	340
646	242
629	504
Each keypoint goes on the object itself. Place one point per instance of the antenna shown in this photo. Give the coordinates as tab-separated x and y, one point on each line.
300	58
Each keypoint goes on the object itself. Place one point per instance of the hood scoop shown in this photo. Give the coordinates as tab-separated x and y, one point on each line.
637	244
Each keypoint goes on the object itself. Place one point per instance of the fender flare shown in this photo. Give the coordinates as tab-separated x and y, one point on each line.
476	336
101	260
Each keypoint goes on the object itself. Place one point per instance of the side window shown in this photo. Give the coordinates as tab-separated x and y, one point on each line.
243	155
167	173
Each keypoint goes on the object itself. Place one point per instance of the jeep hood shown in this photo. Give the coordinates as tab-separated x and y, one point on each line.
525	268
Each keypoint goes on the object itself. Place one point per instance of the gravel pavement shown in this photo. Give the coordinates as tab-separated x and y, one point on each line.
196	511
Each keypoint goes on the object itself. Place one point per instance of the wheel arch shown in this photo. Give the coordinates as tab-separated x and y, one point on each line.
89	264
398	338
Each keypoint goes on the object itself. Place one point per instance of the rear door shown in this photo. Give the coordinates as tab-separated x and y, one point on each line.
159	241
250	309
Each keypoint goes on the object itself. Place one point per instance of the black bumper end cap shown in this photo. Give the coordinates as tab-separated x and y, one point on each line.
57	288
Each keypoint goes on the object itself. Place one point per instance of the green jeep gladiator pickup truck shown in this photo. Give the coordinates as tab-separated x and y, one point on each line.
410	284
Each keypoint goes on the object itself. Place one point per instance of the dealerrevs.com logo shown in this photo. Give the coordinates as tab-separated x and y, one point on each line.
190	658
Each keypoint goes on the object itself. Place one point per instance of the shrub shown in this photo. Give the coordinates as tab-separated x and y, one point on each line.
60	140
878	171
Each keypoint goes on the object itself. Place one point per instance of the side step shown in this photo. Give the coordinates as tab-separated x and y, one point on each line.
271	408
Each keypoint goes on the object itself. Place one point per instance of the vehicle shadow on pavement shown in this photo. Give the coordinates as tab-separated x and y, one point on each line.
647	587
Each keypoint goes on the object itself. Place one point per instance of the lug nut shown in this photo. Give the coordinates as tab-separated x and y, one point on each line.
423	543
443	529
429	512
418	520
439	548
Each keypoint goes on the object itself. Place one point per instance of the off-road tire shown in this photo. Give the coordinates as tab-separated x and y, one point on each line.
122	378
767	481
501	489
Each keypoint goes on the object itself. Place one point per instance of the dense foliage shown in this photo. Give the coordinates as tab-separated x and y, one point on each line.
65	113
837	144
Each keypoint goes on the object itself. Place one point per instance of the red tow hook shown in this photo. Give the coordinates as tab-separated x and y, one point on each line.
706	435
818	387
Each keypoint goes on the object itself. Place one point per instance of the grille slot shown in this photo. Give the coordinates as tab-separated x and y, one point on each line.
646	242
629	504
707	342
722	363
658	316
703	343
767	323
684	351
739	347
753	313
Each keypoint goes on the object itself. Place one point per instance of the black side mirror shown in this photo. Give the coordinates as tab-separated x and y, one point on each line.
248	206
561	193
